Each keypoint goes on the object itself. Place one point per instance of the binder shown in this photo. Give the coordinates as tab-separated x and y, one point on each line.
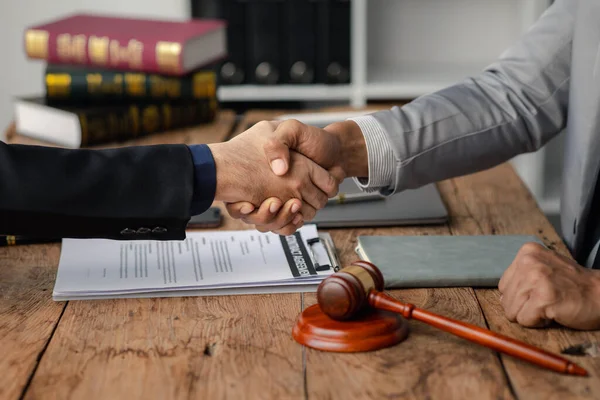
323	42
264	33
338	65
230	71
233	70
301	41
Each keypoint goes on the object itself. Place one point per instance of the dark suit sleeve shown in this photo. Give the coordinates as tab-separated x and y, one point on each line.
128	193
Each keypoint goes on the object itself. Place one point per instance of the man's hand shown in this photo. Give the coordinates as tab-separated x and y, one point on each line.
339	147
541	286
243	174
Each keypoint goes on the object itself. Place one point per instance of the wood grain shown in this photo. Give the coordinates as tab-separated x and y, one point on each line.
497	202
27	313
241	346
428	364
174	348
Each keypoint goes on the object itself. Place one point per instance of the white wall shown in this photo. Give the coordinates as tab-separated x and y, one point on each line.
19	76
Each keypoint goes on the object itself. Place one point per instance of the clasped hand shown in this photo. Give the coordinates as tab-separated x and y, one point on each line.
264	183
267	184
541	286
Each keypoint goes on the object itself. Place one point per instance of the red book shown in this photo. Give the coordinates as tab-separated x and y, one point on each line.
145	45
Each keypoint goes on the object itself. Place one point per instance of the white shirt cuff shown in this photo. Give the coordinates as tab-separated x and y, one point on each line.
380	153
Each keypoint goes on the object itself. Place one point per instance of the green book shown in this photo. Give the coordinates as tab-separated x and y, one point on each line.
67	84
441	261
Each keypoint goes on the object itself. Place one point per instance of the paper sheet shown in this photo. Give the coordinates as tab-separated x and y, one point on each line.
205	260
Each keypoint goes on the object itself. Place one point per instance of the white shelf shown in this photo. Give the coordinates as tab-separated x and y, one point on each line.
284	92
403	81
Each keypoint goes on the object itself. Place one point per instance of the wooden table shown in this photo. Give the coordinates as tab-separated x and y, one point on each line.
241	347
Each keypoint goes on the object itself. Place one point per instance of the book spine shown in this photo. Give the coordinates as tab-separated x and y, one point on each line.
102	51
67	85
118	124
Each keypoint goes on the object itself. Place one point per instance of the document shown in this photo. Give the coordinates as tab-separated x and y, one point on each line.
238	261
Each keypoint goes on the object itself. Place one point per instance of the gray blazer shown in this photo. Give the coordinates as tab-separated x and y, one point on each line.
547	82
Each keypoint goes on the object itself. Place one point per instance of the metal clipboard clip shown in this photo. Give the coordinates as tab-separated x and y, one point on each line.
333	261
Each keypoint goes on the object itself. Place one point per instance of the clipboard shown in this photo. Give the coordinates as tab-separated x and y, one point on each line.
327	258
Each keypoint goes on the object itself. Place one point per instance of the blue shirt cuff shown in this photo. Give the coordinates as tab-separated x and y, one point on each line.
205	178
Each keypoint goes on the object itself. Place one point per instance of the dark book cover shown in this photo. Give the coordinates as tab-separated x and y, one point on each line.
232	69
85	126
301	41
76	85
264	41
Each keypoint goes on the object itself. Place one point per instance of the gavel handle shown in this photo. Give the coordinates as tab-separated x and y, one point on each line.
478	335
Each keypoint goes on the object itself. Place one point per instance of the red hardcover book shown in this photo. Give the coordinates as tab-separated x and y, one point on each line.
145	45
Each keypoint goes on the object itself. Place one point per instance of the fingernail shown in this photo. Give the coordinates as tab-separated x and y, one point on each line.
246	209
273	207
297	219
278	166
295	208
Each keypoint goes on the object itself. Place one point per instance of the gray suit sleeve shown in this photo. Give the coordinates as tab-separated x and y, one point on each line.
514	106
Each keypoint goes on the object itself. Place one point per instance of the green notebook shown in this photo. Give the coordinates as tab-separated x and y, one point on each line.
441	261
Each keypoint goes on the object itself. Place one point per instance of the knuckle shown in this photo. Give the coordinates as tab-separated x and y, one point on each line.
531	247
263	124
531	260
538	273
292	125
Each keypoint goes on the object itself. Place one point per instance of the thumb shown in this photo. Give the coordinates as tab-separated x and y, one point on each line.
277	149
278	154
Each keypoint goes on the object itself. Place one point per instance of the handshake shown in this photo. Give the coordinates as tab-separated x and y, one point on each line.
277	175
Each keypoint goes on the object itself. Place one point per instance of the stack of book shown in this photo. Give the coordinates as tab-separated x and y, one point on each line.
111	79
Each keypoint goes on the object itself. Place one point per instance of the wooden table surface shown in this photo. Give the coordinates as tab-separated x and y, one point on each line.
241	346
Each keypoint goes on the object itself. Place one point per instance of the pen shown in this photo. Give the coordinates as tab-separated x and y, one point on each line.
13	240
343	198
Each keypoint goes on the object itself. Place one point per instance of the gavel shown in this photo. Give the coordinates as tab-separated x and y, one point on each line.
351	290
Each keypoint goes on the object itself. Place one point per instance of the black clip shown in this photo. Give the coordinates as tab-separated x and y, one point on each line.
330	253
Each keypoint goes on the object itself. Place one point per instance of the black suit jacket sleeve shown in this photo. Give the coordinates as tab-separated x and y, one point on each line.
127	193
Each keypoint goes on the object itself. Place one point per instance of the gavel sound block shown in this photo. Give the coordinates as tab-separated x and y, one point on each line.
342	322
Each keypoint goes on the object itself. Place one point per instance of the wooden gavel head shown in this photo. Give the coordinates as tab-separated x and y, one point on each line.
344	294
